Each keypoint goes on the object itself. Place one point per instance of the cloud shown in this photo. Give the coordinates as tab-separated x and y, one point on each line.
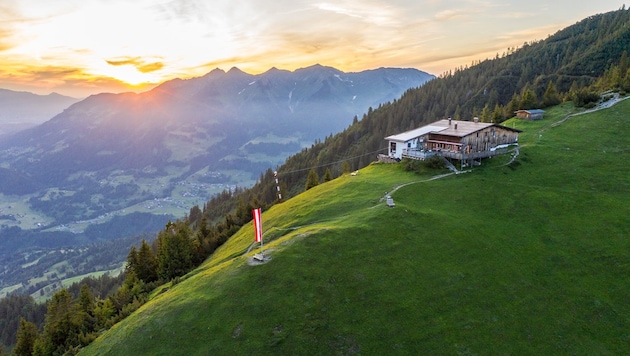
5	43
450	14
516	15
528	34
9	19
140	64
376	13
338	9
63	79
150	67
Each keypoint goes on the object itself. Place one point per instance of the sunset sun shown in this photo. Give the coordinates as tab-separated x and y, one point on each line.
130	75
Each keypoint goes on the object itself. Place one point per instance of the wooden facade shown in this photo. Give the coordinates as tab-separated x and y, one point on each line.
534	114
462	140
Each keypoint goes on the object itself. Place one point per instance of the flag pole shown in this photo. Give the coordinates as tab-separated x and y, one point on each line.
258	235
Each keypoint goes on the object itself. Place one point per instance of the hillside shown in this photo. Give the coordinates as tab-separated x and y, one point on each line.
523	258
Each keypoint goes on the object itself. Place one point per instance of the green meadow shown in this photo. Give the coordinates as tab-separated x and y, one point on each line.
529	257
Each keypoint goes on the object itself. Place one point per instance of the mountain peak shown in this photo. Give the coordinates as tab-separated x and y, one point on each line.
215	72
235	70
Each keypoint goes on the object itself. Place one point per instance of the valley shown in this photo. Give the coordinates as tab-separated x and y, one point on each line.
161	197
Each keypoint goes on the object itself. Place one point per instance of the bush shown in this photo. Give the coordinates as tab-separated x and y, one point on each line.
434	162
411	165
585	98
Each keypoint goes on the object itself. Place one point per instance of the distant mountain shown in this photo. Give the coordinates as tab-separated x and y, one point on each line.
162	151
198	122
22	110
313	101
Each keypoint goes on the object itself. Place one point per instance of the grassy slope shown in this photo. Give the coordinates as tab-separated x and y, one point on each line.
530	258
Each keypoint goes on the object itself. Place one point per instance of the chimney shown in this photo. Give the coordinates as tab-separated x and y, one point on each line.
476	119
449	121
455	126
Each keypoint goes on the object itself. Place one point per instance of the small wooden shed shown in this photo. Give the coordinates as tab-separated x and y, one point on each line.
534	114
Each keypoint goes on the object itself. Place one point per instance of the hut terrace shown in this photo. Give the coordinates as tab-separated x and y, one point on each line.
460	140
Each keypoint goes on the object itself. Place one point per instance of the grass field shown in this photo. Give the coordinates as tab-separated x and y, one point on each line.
529	258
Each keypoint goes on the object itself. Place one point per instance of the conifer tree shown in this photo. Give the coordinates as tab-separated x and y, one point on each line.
624	62
132	259
327	175
175	251
625	83
512	106
528	99
63	325
146	263
485	114
551	96
26	337
345	167
87	304
497	115
312	180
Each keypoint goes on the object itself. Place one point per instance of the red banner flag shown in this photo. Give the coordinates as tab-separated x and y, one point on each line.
257	224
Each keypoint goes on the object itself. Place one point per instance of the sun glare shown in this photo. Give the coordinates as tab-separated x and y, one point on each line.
130	75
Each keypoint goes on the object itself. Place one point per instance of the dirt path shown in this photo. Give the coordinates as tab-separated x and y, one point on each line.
605	105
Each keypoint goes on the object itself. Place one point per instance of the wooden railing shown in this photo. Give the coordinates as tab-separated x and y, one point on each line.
424	154
417	154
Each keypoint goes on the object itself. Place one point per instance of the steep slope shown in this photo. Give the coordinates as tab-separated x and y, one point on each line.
522	258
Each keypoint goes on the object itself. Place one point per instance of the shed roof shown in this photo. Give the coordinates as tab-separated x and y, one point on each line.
532	111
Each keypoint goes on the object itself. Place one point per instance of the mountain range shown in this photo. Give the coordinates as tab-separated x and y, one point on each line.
159	152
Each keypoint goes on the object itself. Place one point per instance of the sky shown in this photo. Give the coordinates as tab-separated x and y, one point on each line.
83	47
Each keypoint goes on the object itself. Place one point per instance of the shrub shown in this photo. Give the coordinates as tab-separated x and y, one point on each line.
434	162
